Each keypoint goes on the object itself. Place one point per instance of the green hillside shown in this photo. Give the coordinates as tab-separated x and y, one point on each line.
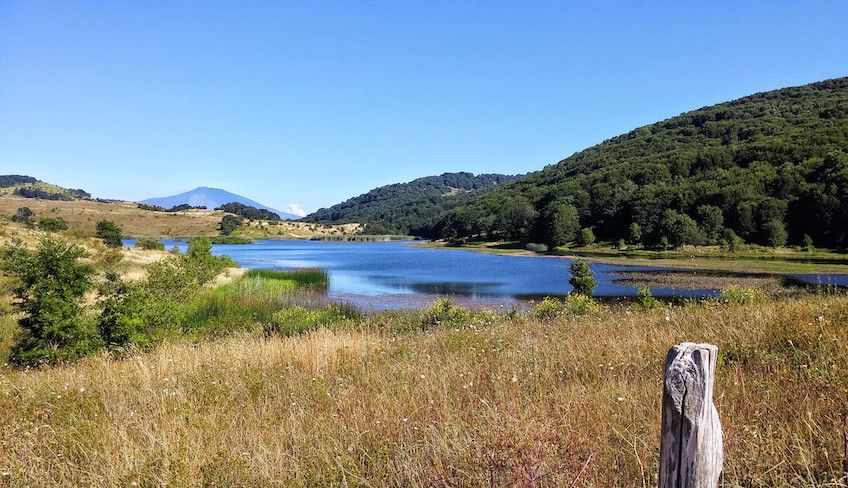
408	208
768	167
29	187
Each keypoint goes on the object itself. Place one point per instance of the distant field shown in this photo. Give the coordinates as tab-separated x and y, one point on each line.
84	215
754	259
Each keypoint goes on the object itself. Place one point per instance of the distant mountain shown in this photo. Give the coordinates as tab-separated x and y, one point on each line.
408	208
212	198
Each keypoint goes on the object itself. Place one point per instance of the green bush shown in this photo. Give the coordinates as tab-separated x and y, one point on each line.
581	305
110	232
150	244
49	286
444	312
646	300
586	237
229	224
52	224
548	308
24	216
582	279
297	319
738	295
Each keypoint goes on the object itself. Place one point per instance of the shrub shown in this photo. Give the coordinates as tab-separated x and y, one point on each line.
50	284
581	305
586	237
582	279
200	261
536	247
730	241
646	300
229	223
150	244
24	216
548	308
297	319
110	232
807	242
738	295
52	224
444	312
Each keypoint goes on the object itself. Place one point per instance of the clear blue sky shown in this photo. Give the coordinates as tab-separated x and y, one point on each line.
312	102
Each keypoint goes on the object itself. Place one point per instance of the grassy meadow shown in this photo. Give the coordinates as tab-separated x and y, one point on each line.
442	397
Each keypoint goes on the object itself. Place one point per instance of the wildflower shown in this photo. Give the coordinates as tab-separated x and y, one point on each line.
82	390
405	420
514	379
621	399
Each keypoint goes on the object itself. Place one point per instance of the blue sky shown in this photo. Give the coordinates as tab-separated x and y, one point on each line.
312	102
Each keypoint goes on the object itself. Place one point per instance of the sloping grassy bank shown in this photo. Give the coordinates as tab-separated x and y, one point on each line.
442	397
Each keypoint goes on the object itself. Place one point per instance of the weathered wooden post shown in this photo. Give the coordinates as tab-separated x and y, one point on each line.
691	443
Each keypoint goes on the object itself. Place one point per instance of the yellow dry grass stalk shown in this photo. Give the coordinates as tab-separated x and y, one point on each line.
522	402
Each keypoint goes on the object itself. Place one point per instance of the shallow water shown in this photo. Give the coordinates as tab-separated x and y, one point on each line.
389	275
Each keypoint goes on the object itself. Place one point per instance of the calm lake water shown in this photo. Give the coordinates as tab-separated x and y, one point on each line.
387	275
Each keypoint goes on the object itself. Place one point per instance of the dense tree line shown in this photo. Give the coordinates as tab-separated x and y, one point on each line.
771	168
11	180
31	192
175	208
248	212
409	208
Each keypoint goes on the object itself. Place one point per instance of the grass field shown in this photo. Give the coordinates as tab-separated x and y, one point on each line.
83	215
476	399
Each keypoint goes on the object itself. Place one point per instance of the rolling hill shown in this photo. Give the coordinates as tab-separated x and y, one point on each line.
408	208
770	168
30	187
211	198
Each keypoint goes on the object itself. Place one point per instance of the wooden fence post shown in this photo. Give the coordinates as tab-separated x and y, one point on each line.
691	453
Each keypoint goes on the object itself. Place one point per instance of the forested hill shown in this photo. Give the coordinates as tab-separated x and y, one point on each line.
768	167
408	208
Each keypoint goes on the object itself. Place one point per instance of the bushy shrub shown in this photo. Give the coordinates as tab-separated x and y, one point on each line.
110	232
581	305
733	294
150	244
536	247
548	308
24	216
582	279
228	224
586	237
52	224
646	299
444	312
50	284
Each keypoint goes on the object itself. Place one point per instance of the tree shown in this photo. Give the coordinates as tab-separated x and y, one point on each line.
711	220
52	224
228	224
634	233
807	242
582	279
774	233
110	232
561	224
731	242
679	229
50	284
24	216
586	237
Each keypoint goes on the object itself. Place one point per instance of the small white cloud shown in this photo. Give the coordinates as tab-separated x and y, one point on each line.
295	209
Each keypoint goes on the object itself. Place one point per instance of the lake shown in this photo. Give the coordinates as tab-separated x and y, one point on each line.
390	275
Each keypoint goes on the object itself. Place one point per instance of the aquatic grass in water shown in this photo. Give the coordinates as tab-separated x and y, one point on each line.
306	277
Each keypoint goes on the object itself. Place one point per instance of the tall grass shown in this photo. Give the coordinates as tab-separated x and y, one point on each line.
305	277
502	401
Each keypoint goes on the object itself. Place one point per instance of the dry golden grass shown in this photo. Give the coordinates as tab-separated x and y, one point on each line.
83	215
497	404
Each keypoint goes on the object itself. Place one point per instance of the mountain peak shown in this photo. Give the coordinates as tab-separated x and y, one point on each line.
204	196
